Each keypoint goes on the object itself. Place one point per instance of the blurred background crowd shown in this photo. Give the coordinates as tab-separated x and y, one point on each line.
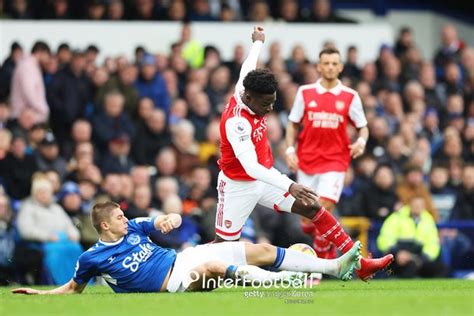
144	131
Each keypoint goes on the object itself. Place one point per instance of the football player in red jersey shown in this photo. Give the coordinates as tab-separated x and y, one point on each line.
323	110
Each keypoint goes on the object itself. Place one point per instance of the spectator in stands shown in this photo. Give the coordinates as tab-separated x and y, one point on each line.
152	135
396	154
378	199
18	167
43	221
444	196
351	69
48	158
259	12
199	114
464	207
404	41
115	10
289	11
57	9
165	162
123	82
112	189
141	203
96	9
150	84
7	241
411	235
145	10
450	50
434	92
412	186
185	147
117	158
71	200
27	87
176	11
201	11
322	13
164	187
111	121
141	176
5	143
68	95
7	68
20	10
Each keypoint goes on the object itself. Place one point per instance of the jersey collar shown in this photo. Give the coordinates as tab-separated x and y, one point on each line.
241	103
111	243
336	90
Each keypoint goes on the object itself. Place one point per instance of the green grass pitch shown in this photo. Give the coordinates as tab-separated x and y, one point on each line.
414	297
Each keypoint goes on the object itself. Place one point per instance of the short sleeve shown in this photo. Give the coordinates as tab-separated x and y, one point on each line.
297	111
85	268
356	112
144	225
238	131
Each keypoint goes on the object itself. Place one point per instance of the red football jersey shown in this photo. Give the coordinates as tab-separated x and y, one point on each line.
236	121
323	144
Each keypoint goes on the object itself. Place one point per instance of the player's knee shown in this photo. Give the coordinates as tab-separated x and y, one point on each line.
268	252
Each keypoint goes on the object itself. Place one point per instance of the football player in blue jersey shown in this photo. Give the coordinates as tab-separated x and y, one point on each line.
130	262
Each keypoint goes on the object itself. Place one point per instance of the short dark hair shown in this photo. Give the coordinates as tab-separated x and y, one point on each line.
329	51
261	81
92	49
40	46
102	212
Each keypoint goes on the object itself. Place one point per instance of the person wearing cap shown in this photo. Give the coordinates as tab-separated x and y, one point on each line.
70	199
117	159
151	84
68	95
47	156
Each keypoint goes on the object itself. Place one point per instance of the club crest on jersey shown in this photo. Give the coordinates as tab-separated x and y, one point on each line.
340	105
312	104
240	128
227	223
133	239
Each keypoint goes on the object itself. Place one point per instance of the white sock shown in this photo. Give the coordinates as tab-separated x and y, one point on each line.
297	261
288	259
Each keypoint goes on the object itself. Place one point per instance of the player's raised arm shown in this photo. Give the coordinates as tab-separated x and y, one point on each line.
69	288
166	223
250	63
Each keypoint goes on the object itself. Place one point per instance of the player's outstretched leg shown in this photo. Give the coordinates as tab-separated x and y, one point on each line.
292	260
332	230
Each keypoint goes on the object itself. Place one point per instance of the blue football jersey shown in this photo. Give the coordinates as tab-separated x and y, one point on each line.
131	264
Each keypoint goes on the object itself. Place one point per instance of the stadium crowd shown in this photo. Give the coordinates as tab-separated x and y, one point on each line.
317	11
145	134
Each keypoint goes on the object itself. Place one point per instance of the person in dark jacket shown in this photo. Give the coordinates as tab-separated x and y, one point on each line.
464	207
18	169
111	121
152	135
378	200
151	84
68	95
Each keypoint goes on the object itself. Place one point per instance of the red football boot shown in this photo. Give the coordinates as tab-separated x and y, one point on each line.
371	266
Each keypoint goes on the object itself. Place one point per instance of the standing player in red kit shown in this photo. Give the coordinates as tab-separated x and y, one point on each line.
324	151
247	175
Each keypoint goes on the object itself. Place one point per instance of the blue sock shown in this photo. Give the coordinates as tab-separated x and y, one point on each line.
230	272
279	258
